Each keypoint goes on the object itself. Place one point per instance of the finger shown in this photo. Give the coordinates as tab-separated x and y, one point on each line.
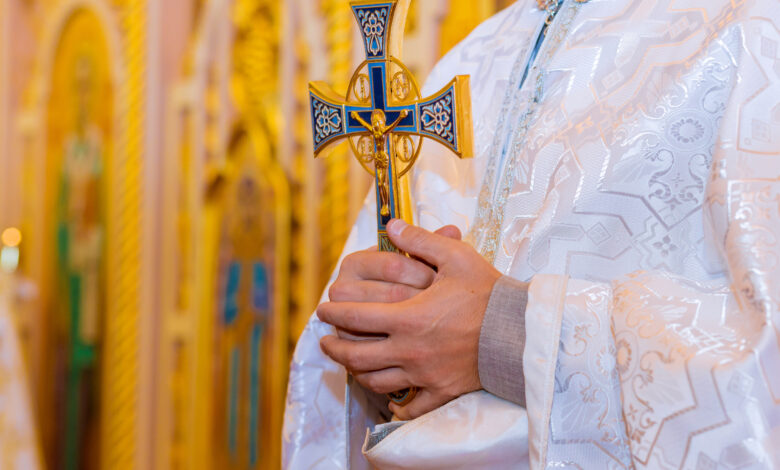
386	267
384	381
450	231
433	248
359	356
358	317
423	402
370	291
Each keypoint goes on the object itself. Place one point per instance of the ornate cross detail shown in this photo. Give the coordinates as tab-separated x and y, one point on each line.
385	119
383	115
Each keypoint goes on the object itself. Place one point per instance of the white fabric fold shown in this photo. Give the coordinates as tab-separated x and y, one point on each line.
475	431
543	316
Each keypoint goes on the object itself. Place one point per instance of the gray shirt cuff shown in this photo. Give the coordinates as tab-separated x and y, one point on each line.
502	341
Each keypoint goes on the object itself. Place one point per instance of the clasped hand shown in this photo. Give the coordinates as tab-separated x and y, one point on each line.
424	323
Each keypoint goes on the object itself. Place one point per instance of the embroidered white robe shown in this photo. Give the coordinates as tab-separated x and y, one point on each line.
634	180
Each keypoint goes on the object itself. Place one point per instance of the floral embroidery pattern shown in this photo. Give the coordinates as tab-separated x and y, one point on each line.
687	130
623	356
327	121
374	23
436	118
587	412
665	246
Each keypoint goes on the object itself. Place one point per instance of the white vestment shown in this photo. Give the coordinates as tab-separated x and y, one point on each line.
19	446
634	180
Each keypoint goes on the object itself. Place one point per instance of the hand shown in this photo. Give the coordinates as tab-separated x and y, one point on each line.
429	333
374	276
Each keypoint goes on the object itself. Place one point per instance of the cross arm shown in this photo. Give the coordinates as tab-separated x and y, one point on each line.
355	115
401	116
331	117
328	116
446	117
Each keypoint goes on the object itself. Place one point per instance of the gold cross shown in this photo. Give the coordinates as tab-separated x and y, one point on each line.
382	91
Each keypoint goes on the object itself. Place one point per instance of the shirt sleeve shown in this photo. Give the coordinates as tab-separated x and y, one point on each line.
502	341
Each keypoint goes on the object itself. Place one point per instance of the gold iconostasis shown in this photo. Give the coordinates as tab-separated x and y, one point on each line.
172	230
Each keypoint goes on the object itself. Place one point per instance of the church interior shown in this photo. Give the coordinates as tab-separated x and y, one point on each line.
166	230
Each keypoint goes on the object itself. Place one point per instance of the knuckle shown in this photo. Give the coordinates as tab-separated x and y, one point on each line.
322	312
428	376
417	360
415	239
345	265
372	382
336	292
398	293
362	380
349	265
351	317
407	322
325	346
391	267
409	357
425	278
353	361
419	237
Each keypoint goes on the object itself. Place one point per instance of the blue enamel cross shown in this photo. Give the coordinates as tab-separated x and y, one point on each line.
383	115
385	119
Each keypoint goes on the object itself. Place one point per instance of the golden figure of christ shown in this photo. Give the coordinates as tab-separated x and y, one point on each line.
382	91
379	132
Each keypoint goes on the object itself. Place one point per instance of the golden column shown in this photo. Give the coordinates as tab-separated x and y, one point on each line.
304	255
119	414
334	210
462	17
255	87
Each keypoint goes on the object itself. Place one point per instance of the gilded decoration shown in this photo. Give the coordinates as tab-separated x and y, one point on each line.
225	343
136	141
198	109
251	325
253	291
335	202
80	139
94	134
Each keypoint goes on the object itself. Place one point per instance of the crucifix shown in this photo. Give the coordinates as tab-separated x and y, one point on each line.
385	119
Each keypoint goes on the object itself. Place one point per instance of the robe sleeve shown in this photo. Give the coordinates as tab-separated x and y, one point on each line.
658	371
314	434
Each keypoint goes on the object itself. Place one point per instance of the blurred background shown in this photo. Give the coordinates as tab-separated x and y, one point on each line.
166	232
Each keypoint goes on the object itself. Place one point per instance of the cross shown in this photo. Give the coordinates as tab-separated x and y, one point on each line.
383	112
385	119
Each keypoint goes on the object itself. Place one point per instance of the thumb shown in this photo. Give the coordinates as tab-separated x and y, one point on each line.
430	247
450	231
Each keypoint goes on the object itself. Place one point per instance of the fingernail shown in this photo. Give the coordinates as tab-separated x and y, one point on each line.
396	227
